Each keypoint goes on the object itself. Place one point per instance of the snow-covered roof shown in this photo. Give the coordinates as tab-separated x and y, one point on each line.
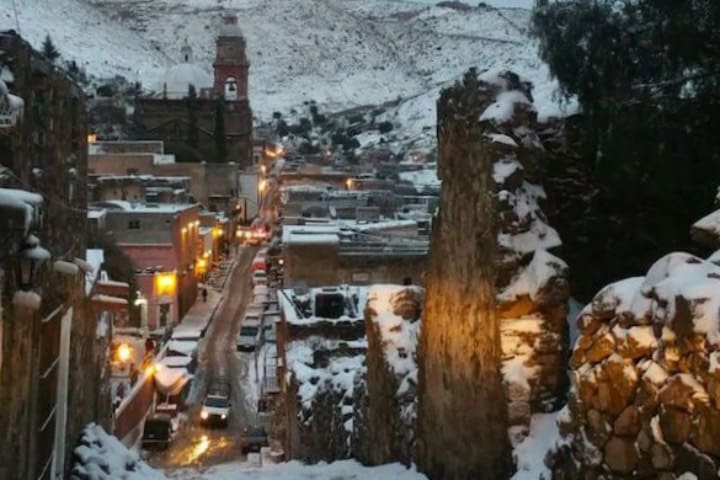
310	234
137	207
421	178
176	80
182	346
96	214
288	297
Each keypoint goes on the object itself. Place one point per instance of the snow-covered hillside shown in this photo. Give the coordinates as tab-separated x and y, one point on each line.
341	54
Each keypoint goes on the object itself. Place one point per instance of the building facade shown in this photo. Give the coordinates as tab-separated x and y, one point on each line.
163	243
51	366
188	127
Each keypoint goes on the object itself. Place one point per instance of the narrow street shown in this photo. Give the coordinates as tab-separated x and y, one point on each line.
198	446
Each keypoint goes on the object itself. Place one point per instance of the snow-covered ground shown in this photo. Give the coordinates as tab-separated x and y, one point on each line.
342	470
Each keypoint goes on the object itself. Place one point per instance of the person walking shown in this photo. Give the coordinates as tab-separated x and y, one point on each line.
204	294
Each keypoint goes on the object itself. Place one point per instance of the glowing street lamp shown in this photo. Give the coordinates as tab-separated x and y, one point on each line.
124	352
165	283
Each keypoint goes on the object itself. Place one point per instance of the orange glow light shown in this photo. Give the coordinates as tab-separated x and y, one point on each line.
124	352
165	283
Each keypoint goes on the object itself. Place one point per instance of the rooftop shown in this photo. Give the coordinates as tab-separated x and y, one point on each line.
121	206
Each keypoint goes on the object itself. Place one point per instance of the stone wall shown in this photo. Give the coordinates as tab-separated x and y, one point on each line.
318	397
645	396
385	398
494	330
47	154
462	426
323	264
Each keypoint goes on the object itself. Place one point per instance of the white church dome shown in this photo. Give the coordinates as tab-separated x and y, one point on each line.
175	81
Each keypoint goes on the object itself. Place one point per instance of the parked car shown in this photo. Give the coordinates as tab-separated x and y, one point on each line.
259	263
248	337
187	334
158	432
259	277
216	407
253	439
253	315
269	331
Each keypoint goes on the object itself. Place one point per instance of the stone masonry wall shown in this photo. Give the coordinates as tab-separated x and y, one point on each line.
386	397
531	283
462	427
494	329
645	395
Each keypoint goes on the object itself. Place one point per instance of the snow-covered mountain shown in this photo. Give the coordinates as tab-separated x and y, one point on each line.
340	53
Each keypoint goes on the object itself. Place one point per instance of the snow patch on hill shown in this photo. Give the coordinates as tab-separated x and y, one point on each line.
342	55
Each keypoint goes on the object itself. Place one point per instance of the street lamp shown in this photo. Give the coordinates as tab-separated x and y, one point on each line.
124	352
30	258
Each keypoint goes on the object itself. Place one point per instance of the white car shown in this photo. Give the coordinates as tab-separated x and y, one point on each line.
216	407
259	278
187	334
248	336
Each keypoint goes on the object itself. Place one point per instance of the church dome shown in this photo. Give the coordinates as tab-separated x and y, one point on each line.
175	81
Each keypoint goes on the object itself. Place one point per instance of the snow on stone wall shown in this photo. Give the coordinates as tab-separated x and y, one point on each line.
532	290
645	395
385	423
100	456
323	357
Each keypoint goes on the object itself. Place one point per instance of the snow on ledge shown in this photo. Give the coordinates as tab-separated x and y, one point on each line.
102	457
29	300
503	108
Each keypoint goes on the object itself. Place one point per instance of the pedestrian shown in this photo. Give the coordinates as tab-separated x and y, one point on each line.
204	294
120	391
149	346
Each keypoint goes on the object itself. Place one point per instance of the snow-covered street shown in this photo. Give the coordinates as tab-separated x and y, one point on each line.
342	470
197	445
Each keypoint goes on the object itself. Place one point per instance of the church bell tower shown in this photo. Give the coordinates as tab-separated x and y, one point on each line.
231	65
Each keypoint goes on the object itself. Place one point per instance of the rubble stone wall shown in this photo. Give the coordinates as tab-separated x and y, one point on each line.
386	398
645	395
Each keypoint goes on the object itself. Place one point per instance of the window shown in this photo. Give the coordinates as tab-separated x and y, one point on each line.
134	225
231	88
362	278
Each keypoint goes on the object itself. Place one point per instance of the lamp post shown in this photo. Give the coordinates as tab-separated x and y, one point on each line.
30	258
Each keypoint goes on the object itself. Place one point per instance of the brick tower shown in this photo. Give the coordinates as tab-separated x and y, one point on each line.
231	64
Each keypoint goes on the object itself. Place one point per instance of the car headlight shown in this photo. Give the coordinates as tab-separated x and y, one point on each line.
223	416
204	415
